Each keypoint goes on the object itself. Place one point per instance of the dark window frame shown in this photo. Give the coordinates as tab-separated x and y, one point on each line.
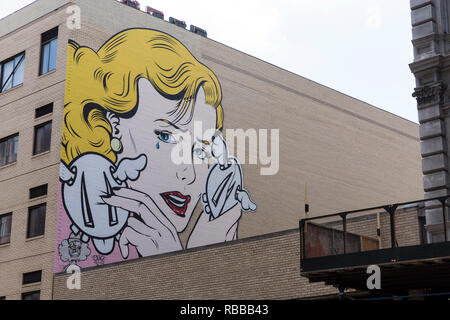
36	128
30	210
46	38
6	139
39	191
43	111
2	64
25	294
5	215
33	277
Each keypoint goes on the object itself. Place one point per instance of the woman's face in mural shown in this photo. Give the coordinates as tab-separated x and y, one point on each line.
175	188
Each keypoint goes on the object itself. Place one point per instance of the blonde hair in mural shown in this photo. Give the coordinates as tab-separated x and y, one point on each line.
107	80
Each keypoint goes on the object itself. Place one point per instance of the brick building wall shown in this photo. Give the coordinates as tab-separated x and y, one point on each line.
17	115
351	154
266	267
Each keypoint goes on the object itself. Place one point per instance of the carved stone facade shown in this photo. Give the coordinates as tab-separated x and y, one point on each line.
430	25
430	94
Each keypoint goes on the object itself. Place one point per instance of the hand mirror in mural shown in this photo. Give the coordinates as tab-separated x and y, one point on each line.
87	179
224	184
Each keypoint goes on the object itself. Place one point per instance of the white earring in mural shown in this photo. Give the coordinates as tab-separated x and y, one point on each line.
89	178
116	143
224	185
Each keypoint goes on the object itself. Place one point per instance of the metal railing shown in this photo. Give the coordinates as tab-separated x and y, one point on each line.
391	210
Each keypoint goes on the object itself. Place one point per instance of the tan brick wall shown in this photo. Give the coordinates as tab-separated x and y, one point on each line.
17	115
267	268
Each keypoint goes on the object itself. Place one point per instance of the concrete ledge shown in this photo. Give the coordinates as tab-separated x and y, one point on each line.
438	162
435	181
431	129
415	4
437	193
428	114
432	146
424	30
422	15
434	216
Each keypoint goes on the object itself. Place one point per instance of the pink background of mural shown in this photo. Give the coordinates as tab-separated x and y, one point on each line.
63	232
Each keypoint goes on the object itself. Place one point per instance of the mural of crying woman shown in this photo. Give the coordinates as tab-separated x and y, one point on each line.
127	107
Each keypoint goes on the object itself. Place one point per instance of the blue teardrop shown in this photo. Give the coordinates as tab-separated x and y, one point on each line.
157	146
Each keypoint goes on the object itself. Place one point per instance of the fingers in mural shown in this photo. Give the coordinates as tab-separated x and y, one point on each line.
221	229
141	208
135	206
246	202
129	236
142	227
227	219
149	203
146	245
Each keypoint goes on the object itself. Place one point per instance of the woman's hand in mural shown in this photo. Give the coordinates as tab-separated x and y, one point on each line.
221	229
153	233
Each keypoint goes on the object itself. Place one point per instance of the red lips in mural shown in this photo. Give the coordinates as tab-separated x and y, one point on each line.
177	201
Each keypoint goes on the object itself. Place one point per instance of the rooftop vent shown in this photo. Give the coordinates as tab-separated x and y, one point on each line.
199	31
156	13
178	23
132	3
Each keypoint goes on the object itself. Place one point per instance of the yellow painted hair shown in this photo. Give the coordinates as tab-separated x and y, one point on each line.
107	80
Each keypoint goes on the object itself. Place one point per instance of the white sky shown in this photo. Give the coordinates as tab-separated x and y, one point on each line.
359	47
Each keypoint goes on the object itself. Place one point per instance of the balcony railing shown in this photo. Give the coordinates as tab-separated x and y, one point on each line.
376	228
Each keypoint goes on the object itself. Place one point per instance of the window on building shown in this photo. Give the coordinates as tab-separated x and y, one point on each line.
36	221
8	149
33	295
42	137
5	228
49	43
422	230
40	191
12	71
43	111
32	277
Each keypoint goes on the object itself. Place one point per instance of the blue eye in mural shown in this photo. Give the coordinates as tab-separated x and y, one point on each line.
165	136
